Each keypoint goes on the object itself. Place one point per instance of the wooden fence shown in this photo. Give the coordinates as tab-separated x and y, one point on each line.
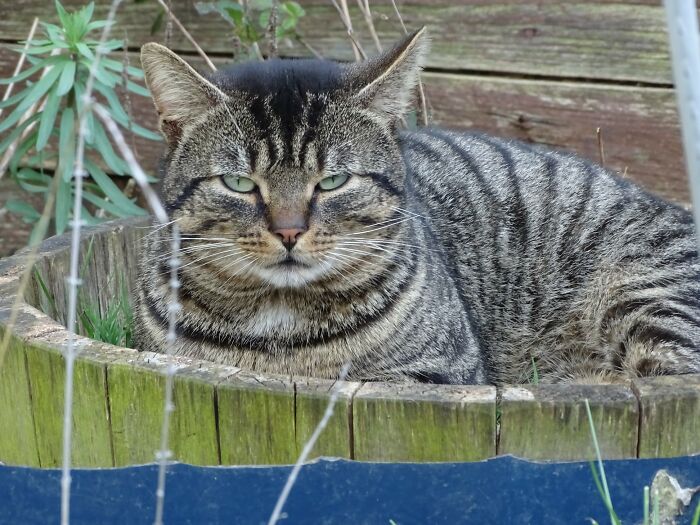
229	416
549	71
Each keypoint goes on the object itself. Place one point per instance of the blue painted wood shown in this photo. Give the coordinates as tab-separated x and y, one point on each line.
500	490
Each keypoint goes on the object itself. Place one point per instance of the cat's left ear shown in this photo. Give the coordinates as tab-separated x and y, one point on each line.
387	83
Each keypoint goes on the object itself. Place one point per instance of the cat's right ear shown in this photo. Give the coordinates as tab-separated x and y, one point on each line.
181	95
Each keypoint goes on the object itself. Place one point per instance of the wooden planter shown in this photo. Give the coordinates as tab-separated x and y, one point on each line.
226	416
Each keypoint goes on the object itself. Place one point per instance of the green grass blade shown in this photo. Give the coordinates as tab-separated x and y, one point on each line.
614	519
44	289
696	515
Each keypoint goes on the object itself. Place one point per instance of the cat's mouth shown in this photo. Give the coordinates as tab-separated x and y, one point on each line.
291	262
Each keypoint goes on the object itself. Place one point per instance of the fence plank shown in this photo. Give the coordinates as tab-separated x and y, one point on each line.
640	125
312	397
608	39
256	420
550	421
409	422
670	415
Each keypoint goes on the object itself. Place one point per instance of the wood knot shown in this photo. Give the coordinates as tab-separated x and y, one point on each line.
529	32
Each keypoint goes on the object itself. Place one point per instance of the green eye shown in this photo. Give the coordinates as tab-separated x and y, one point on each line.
239	184
333	182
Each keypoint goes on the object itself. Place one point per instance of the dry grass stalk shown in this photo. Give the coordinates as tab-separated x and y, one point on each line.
367	14
169	24
187	35
20	62
422	100
272	31
308	447
309	47
345	18
601	149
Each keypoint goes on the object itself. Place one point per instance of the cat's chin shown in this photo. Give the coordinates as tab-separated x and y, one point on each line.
291	275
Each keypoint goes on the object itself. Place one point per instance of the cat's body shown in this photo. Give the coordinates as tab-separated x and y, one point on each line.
443	257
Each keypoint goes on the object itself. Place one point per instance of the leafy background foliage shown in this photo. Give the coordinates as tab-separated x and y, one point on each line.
255	21
63	60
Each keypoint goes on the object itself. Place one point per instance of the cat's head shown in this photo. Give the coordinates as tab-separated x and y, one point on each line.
285	171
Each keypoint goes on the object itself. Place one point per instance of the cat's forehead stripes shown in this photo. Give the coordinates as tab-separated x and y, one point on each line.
286	101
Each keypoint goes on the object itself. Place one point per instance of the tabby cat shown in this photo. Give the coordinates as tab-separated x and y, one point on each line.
316	232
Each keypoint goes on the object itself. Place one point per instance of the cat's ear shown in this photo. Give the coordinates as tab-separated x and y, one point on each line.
180	94
387	83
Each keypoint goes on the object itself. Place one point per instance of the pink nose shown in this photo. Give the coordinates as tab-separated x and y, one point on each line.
289	236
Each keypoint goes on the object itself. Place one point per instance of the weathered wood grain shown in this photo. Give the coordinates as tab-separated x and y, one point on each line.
256	420
640	125
416	422
136	390
91	442
312	398
228	416
17	441
601	39
550	421
670	416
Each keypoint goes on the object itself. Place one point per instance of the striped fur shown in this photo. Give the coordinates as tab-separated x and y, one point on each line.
446	257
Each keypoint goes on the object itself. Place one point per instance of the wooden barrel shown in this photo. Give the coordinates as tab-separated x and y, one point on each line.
224	415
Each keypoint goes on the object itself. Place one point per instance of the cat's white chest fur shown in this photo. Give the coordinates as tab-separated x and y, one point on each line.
271	318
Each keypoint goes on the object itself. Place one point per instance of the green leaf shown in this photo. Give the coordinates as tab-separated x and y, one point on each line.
37	91
102	144
40	50
65	83
157	22
32	181
84	50
55	33
111	190
86	12
97	24
26	211
63	204
46	62
294	9
106	205
48	118
63	15
66	144
102	75
21	151
117	66
139	90
15	98
9	139
116	108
